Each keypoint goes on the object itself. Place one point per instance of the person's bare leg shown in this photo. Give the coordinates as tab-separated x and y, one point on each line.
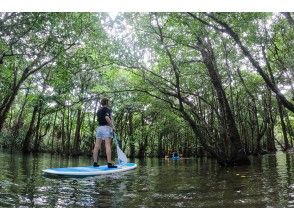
108	149
108	153
96	149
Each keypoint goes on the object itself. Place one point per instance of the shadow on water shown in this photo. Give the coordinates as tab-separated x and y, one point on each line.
267	182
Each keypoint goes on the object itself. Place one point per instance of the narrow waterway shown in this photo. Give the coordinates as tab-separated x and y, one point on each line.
267	182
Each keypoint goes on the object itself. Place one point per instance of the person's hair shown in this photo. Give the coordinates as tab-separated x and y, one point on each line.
104	101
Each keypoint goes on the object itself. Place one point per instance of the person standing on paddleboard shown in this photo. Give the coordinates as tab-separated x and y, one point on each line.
104	132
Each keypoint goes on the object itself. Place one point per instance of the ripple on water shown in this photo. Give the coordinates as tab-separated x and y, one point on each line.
130	195
45	189
7	200
291	195
64	202
291	202
40	201
23	200
4	184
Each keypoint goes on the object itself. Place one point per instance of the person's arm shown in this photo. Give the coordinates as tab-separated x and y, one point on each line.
108	118
109	121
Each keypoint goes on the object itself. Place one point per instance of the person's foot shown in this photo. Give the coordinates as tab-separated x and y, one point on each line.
95	164
110	165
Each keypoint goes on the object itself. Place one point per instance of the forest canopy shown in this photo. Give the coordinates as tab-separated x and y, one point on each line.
203	84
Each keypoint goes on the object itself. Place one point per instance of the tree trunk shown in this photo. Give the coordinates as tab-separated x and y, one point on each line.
77	136
37	130
53	133
283	125
271	85
19	123
143	141
63	132
68	131
290	130
93	126
27	141
6	105
233	148
131	135
160	151
270	136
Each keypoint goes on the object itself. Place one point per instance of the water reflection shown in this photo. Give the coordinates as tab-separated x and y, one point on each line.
267	182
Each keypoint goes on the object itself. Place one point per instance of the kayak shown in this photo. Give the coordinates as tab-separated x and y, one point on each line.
176	158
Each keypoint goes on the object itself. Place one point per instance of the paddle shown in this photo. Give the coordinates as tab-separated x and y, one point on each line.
122	158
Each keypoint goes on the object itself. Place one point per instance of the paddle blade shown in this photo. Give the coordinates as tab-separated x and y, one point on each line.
122	158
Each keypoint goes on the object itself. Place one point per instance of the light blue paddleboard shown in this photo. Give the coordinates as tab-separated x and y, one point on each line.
90	170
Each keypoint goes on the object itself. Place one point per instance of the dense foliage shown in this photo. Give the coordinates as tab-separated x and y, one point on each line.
214	84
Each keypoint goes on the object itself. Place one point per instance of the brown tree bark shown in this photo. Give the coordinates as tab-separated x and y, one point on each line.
77	136
131	134
232	146
27	141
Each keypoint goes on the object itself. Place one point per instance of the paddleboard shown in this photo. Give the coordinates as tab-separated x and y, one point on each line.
89	170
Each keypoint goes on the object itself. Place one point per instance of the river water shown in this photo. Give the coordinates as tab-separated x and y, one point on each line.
267	182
